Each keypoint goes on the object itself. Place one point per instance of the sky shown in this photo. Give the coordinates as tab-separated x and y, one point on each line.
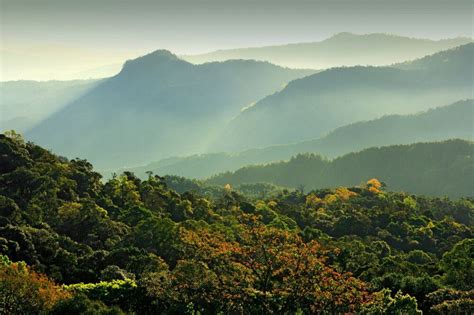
71	37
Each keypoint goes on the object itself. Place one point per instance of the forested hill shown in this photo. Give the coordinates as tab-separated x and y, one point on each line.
149	109
310	107
442	123
136	246
439	169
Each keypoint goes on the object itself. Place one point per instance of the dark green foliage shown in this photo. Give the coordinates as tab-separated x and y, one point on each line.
448	301
458	265
81	304
436	169
132	245
251	191
461	306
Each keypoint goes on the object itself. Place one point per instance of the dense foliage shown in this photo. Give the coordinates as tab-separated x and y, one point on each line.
25	291
436	169
131	245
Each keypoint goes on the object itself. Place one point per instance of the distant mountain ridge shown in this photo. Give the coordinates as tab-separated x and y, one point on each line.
319	103
442	123
343	49
439	168
158	105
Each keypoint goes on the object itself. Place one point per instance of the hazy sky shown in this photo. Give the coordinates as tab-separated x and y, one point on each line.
102	32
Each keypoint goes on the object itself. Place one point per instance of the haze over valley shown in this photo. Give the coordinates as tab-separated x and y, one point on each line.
163	106
236	157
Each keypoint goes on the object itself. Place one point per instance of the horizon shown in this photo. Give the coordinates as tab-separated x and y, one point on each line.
87	38
118	66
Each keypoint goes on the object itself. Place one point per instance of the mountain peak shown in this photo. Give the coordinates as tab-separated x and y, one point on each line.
153	60
343	35
161	54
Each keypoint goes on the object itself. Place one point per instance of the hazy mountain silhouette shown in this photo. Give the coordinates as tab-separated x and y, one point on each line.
343	49
157	106
444	168
25	103
312	106
442	123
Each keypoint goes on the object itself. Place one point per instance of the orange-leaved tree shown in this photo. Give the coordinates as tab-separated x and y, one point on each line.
24	291
267	270
374	185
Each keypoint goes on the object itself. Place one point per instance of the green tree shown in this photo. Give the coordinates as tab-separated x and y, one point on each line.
458	265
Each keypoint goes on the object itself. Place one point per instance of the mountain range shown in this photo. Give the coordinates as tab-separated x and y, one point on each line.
343	49
442	123
158	105
441	168
314	105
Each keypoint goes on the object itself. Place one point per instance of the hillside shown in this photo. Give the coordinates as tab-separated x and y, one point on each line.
442	123
442	168
343	49
73	243
25	103
312	106
158	105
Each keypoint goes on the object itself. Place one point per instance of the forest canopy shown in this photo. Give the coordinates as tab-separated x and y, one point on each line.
73	242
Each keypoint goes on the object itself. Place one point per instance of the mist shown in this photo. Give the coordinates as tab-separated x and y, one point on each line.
90	39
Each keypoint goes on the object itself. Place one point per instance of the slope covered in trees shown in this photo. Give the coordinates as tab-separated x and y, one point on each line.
343	49
131	245
443	123
440	169
312	106
158	105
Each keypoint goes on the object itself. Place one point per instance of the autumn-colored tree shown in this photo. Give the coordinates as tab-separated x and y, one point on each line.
344	193
24	291
374	185
312	201
274	271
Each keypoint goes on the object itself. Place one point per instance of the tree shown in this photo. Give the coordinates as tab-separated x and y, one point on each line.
81	304
458	265
383	303
272	270
24	291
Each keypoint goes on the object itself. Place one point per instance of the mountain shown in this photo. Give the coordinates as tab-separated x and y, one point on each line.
158	105
443	123
312	106
343	49
25	103
440	168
